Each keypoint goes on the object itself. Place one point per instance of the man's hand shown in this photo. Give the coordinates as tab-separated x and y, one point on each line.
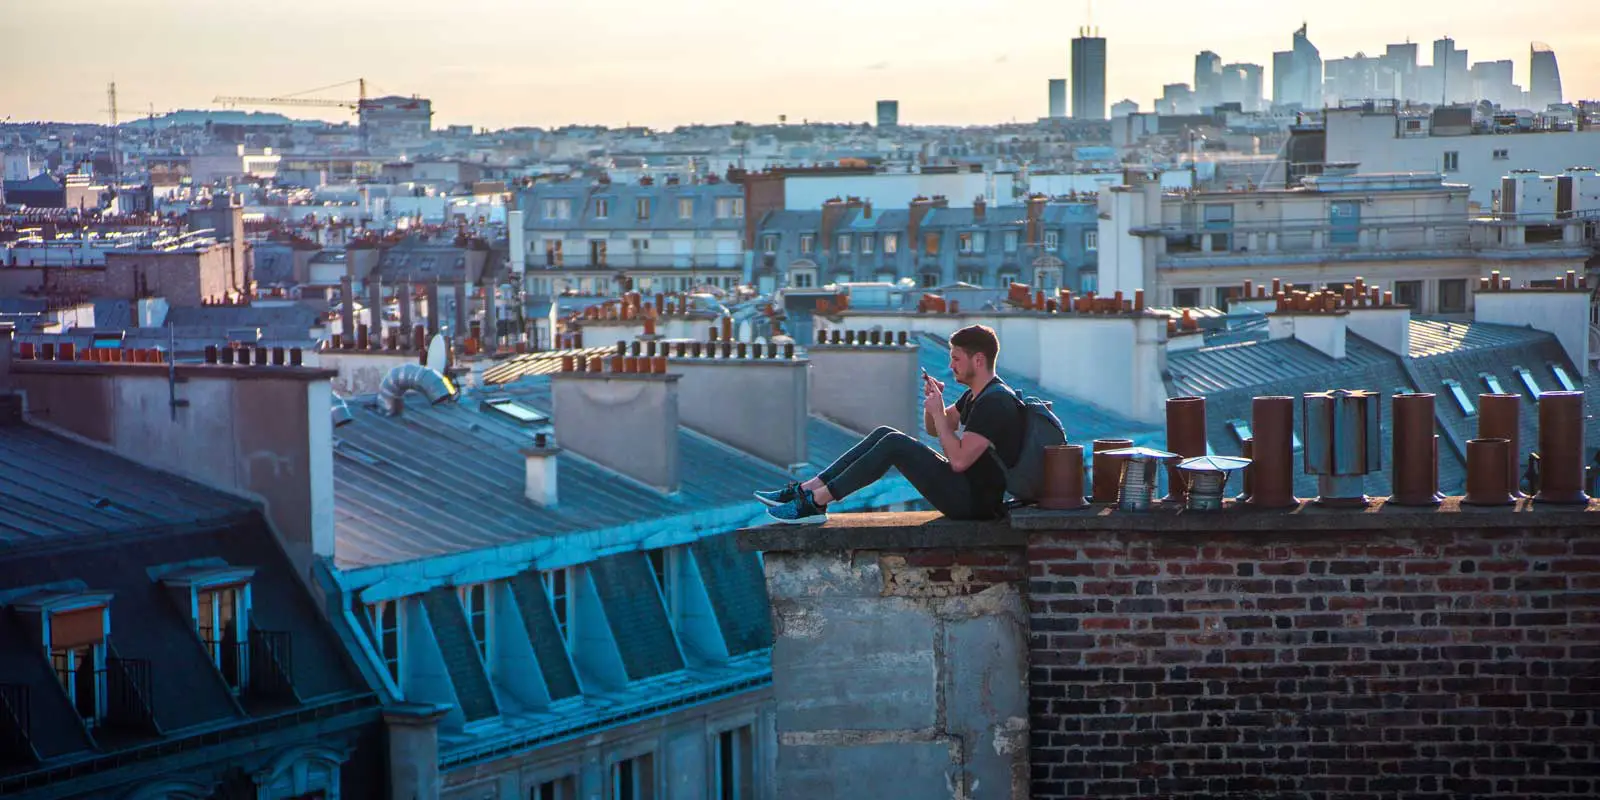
932	401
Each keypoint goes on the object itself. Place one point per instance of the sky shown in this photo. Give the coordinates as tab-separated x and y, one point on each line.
503	63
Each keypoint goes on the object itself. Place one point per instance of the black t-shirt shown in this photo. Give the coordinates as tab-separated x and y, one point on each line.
996	416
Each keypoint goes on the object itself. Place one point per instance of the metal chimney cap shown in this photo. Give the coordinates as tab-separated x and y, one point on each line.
1214	464
1141	453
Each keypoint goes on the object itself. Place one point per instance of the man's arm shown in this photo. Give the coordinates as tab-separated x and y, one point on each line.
951	416
962	449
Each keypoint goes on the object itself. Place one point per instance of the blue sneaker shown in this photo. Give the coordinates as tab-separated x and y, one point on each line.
777	498
802	510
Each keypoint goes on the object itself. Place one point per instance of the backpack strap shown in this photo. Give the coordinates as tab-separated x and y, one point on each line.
1022	410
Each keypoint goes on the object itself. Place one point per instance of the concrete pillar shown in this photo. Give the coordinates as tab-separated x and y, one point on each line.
1272	242
413	730
1205	242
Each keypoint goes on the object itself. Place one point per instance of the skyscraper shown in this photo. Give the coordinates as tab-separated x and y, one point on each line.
1058	98
1088	75
1544	87
888	113
1452	82
1297	73
1401	59
1208	78
1244	87
1495	81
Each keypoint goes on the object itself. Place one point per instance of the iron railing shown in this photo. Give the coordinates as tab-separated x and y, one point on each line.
16	724
271	673
128	695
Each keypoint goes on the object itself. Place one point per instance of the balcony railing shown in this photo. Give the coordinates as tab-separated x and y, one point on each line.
16	724
127	683
271	668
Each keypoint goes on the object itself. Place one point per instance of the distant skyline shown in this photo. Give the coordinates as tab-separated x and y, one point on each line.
503	63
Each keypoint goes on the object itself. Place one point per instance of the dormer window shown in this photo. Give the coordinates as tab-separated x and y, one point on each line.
76	641
556	585
220	621
385	616
219	605
475	602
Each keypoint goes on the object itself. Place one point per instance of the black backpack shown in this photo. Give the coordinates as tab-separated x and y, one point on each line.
1040	429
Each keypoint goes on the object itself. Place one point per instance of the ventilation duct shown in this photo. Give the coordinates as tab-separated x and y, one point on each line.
341	412
430	383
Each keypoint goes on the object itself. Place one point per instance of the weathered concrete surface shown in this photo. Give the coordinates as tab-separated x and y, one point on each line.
900	674
914	530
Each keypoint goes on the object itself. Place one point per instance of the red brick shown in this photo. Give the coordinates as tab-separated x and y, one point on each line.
1388	551
988	559
1586	547
1175	623
1463	585
1202	568
1107	624
1053	553
1107	587
1070	569
1315	551
1103	553
1428	567
1576	565
1251	656
1503	565
1103	657
1547	548
1241	553
1351	602
1281	604
1468	550
1283	568
1163	552
1138	568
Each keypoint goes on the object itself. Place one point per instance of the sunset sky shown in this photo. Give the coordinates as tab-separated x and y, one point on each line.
499	63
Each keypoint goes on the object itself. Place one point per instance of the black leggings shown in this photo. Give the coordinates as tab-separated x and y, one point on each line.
885	448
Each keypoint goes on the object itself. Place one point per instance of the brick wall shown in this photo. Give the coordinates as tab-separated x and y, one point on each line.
1378	664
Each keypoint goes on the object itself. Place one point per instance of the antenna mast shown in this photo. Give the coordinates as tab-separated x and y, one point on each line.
116	167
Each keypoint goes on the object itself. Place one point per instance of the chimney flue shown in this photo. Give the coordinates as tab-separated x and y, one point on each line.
1561	448
1272	427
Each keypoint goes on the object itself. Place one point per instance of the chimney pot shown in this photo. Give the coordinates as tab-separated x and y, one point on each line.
1272	423
788	350
1561	468
211	354
633	348
226	355
742	350
1487	480
47	351
296	356
261	356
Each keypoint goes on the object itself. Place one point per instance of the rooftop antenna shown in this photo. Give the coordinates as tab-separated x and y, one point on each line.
116	170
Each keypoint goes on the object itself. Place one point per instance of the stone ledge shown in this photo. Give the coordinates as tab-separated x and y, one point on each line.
914	530
926	530
1308	516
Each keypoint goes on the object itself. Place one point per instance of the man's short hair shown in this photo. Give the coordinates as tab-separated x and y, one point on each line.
976	339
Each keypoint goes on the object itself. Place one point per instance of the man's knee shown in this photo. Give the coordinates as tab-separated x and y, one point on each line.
883	430
898	440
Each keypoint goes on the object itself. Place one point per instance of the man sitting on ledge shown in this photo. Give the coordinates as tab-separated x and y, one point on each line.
965	481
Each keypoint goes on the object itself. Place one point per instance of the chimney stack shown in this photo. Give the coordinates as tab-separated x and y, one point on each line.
1563	312
863	386
774	429
375	310
433	309
347	306
540	480
627	423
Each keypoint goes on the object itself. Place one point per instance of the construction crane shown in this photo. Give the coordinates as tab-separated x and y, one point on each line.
359	105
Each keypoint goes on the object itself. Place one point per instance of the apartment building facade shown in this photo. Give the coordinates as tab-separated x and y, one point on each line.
1410	233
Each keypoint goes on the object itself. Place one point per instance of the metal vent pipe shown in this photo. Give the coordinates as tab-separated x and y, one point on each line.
412	378
1342	444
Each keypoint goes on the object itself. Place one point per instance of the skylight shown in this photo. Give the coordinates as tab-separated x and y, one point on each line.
1528	380
1460	394
515	411
1563	378
1492	382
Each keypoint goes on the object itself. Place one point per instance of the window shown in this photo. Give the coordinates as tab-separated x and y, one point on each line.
475	602
1010	241
930	280
558	789
1089	281
891	243
843	245
1502	155
1567	384
664	564
597	252
558	209
1185	298
1460	394
868	242
802	279
1528	381
1492	382
964	243
633	779
1452	161
685	207
1409	294
732	772
980	241
1344	219
1091	241
220	620
769	243
77	653
552	252
1052	241
602	207
930	244
808	243
641	208
730	207
639	245
386	626
556	585
1453	296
